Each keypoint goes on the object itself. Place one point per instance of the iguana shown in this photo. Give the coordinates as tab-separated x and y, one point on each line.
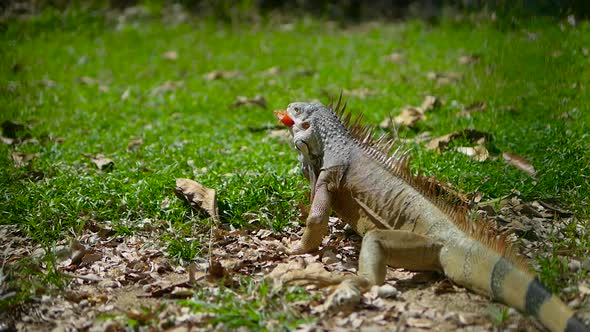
403	221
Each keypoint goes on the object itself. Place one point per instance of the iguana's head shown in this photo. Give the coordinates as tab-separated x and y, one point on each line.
306	123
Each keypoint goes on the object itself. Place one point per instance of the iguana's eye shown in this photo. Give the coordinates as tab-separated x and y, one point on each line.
297	109
305	125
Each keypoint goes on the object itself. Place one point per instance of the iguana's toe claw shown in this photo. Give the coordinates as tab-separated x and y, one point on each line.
346	296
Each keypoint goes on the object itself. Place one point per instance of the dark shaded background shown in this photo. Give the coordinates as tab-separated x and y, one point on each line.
344	10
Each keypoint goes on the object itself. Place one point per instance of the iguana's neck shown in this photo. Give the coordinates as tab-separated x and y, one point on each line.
337	145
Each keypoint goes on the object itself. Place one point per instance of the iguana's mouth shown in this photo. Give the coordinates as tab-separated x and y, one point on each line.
284	118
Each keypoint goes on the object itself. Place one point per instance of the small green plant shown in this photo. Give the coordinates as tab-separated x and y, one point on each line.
499	315
252	305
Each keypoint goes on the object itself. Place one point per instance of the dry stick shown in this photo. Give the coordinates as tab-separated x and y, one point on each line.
87	278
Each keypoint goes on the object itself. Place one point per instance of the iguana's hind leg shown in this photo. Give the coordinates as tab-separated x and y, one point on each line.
381	248
396	248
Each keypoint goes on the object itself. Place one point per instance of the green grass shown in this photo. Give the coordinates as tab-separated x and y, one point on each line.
192	132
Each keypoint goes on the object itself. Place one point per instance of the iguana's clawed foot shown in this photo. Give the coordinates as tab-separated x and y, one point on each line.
300	249
345	297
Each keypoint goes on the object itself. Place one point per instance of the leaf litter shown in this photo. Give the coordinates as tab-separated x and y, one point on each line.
114	276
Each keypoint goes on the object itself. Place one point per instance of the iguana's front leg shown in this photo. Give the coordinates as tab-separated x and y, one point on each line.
316	225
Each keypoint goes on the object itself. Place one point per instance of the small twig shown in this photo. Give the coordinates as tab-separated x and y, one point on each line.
87	278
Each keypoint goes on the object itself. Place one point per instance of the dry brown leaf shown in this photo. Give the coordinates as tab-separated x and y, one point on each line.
216	270
359	93
168	86
429	103
420	323
47	82
272	71
519	162
170	55
444	287
22	159
478	106
125	94
469	59
102	162
198	196
304	72
87	80
472	135
477	153
220	74
409	116
396	57
7	141
444	78
241	100
12	129
134	144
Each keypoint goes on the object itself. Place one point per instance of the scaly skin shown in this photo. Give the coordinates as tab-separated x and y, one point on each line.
401	223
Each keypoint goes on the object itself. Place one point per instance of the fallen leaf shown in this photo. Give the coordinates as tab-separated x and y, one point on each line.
241	101
429	103
47	83
272	71
444	287
396	57
472	135
444	78
168	86
477	153
478	106
420	138
17	67
216	270
125	94
7	141
220	74
360	93
304	72
21	159
170	55
198	196
87	80
469	59
102	162
519	162
419	323
12	129
410	115
134	144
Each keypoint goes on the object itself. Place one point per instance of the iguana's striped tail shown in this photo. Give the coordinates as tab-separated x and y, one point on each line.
488	272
